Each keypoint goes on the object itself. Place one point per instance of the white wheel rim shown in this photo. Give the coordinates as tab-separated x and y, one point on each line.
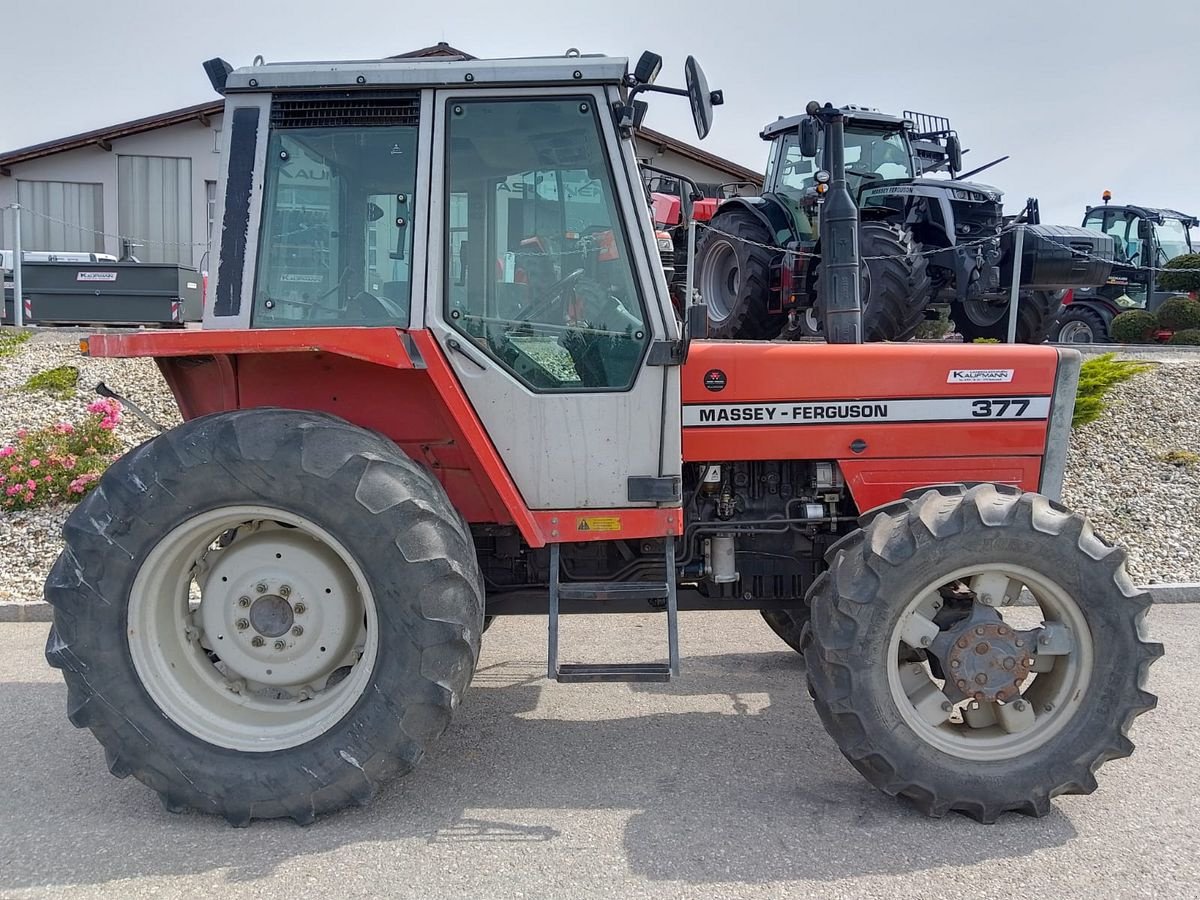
719	277
1076	333
261	644
1053	696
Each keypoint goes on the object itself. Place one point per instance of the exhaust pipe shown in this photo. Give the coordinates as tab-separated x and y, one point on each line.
840	282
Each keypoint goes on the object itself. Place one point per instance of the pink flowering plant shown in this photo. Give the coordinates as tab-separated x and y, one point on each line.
59	463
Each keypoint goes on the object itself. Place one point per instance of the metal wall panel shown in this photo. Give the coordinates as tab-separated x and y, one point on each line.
61	215
154	206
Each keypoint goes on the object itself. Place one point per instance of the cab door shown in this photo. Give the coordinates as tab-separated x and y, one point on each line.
546	298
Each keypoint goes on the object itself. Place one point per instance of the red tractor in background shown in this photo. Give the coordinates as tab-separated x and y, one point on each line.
389	436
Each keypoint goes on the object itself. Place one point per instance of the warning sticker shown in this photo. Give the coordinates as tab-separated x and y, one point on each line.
598	523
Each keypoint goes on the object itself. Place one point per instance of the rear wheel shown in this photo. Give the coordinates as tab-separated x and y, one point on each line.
733	272
1036	312
939	688
1080	324
265	613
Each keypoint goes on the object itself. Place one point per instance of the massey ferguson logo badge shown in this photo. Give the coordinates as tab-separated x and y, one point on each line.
979	376
714	380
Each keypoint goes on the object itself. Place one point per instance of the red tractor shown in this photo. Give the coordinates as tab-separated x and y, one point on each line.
440	379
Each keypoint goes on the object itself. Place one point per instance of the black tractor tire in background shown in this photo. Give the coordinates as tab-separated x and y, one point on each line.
1036	313
900	548
789	624
896	285
1080	324
733	277
390	516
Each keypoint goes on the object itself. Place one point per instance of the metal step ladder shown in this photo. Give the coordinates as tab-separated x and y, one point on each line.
615	590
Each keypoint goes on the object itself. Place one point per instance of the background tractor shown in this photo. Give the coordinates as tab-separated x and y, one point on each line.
277	606
923	240
1144	239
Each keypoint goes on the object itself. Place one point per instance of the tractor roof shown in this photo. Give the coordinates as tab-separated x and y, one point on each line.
461	72
857	114
1149	212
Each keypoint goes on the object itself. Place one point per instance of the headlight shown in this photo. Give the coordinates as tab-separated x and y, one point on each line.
664	241
972	196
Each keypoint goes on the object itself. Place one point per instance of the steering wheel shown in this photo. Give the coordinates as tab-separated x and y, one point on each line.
548	296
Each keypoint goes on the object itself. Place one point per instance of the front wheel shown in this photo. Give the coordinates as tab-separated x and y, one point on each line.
942	685
1080	324
1036	313
265	613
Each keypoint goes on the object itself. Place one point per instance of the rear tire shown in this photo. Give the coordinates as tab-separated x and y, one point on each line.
863	671
1036	312
733	277
789	624
1080	325
286	508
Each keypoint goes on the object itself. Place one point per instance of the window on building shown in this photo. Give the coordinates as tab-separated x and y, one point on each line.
210	201
154	207
61	215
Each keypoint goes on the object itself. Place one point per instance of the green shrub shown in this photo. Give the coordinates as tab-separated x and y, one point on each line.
1185	282
1135	326
1097	377
58	382
1179	313
987	341
59	463
11	339
1184	459
1189	337
934	329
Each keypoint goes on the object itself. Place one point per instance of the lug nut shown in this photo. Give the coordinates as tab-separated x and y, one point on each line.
981	678
1020	643
1044	640
1001	695
261	588
299	609
1048	707
1019	705
954	664
979	629
285	591
280	645
257	640
1003	629
962	683
962	642
297	631
242	624
925	641
947	706
1010	663
243	602
982	647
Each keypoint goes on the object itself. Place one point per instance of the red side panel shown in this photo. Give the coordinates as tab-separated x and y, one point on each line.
894	416
666	208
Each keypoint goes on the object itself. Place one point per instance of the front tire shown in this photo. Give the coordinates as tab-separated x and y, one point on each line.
909	632
733	277
265	613
1080	324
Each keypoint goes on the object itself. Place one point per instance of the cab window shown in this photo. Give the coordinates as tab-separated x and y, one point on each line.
336	235
538	270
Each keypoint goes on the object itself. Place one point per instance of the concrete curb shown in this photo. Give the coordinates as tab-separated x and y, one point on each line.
39	611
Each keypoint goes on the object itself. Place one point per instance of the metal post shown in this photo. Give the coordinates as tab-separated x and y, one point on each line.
1015	298
18	295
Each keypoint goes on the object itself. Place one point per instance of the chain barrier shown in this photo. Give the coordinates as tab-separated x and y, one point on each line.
120	237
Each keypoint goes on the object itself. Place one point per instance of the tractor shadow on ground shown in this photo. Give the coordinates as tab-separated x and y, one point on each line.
724	776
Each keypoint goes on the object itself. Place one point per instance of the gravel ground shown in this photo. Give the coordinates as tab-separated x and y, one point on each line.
1114	472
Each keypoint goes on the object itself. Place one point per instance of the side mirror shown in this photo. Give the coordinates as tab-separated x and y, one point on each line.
810	136
699	96
697	322
953	153
648	67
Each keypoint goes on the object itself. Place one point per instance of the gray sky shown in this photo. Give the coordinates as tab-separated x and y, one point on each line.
1083	95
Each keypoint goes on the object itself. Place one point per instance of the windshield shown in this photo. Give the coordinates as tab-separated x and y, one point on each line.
1173	239
870	156
336	242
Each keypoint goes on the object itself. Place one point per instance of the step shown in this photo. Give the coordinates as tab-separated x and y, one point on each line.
613	590
582	672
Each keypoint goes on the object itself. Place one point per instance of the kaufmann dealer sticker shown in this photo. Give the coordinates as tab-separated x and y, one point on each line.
979	376
947	409
95	276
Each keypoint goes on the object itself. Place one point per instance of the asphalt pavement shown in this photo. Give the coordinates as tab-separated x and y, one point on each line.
721	784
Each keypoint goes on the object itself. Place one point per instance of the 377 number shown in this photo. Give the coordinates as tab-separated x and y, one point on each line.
995	409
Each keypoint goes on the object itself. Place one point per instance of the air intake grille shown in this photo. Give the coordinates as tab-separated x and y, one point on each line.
345	109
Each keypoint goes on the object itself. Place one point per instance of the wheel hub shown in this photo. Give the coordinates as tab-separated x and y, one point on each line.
987	662
272	616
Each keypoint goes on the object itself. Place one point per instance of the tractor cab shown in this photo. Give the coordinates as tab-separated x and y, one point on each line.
1144	239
